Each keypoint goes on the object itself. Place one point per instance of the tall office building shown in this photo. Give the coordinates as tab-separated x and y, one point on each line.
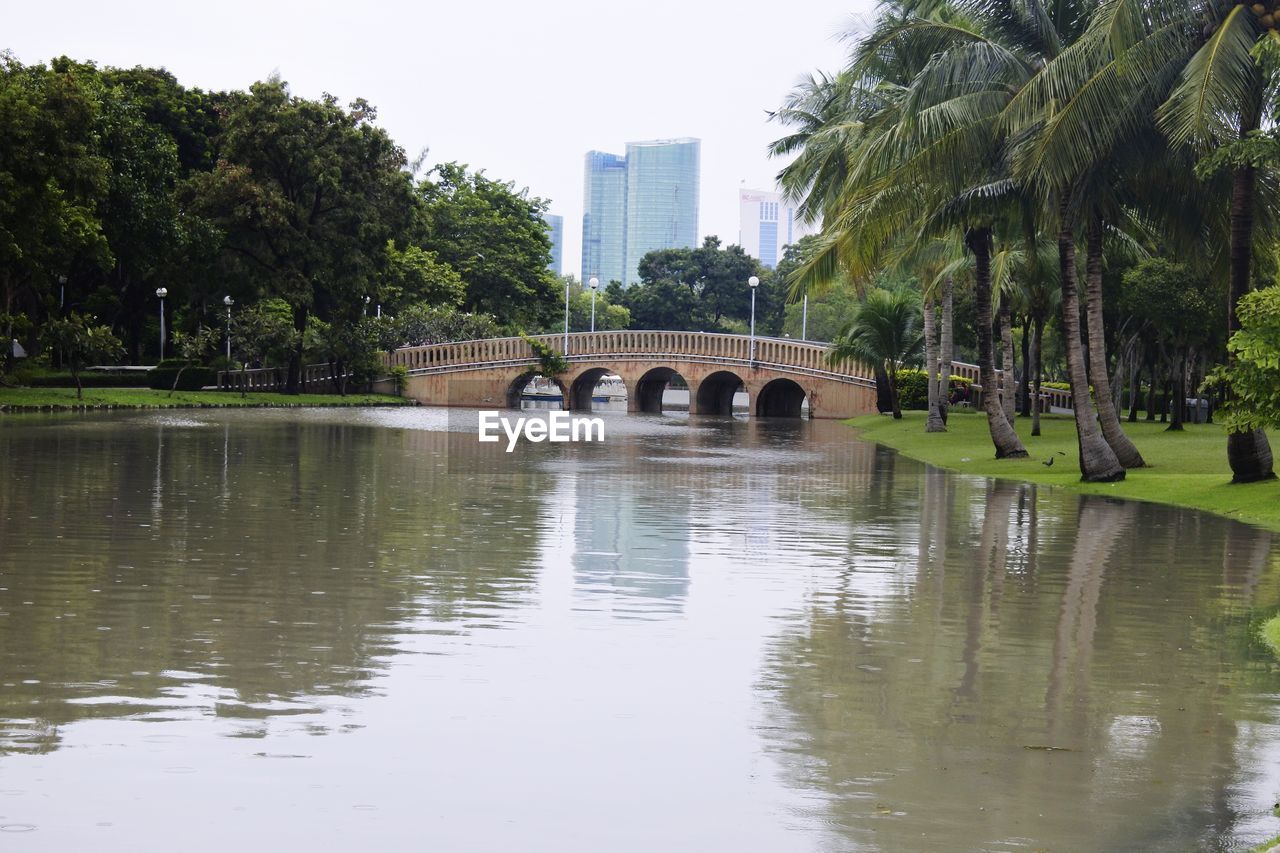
662	198
555	225
635	204
767	225
604	216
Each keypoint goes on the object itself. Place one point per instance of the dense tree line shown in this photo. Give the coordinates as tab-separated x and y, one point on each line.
116	182
1095	176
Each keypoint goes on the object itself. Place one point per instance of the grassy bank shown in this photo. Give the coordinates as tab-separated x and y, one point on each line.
54	399
1186	468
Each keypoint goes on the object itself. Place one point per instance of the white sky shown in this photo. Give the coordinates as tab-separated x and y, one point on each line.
520	89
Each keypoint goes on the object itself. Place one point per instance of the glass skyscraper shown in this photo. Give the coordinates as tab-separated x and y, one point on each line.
604	217
635	204
662	198
555	225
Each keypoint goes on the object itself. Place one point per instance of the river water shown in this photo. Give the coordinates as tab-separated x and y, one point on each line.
323	630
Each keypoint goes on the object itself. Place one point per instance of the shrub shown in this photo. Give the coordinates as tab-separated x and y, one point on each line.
91	379
399	379
913	388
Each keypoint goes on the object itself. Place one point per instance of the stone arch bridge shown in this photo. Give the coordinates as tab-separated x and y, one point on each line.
778	377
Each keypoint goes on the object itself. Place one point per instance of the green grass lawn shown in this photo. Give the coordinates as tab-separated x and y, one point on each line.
25	399
1185	468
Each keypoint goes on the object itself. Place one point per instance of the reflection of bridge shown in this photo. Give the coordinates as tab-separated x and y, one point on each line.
782	375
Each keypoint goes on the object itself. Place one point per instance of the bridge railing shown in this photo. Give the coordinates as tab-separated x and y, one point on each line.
779	352
1056	398
313	377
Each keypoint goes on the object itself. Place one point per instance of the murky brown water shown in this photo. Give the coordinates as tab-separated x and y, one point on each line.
330	630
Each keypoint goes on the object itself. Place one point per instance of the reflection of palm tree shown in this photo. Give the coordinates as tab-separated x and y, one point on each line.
1098	530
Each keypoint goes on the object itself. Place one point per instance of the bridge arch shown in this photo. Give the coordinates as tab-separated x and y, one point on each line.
583	386
649	388
517	386
715	393
780	398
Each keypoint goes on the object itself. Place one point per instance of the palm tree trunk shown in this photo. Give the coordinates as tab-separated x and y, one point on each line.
1179	396
933	423
1126	453
1135	385
884	399
1003	436
1008	402
1248	453
1098	461
1024	387
947	347
1037	363
894	400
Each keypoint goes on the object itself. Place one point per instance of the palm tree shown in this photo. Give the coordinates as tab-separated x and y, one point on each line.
884	333
1193	68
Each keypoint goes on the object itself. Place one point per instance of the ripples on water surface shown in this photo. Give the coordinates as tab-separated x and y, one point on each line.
320	630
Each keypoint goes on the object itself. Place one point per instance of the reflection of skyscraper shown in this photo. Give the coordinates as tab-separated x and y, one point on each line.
635	204
555	225
767	224
604	212
628	546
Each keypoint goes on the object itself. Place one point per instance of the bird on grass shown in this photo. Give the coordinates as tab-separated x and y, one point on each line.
1048	464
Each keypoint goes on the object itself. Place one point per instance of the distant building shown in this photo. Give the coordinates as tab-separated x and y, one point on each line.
635	204
662	198
604	217
767	225
555	224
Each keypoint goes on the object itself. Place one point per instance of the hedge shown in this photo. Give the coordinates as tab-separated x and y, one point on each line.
913	388
88	379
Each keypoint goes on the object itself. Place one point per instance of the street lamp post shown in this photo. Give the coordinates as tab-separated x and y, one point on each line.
804	319
162	292
62	292
228	301
566	317
753	283
595	284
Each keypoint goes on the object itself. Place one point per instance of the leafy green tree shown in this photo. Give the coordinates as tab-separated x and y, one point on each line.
1178	305
496	239
307	196
193	348
1254	374
885	333
609	315
51	180
262	332
79	342
417	275
421	325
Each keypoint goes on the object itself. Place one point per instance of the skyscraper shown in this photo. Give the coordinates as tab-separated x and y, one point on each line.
604	212
555	225
662	198
767	225
634	204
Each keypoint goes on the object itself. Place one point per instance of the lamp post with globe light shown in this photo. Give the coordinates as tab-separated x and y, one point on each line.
162	292
228	301
753	283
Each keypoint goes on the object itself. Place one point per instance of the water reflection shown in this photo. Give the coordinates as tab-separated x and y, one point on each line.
160	568
1051	659
753	634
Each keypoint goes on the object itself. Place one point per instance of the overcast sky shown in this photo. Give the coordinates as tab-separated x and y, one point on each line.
519	89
